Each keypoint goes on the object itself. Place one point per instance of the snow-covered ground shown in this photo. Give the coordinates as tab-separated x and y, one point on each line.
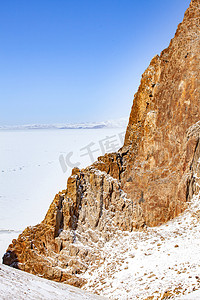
35	165
18	285
162	263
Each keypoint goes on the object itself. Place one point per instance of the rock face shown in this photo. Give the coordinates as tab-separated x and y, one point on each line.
146	183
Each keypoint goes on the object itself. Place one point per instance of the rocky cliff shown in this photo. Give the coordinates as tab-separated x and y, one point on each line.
146	183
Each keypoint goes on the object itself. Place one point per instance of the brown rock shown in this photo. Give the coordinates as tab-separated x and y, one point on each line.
146	183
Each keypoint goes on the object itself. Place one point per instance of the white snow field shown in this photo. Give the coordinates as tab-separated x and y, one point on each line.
35	165
15	284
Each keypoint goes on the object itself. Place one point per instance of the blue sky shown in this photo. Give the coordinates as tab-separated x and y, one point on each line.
78	60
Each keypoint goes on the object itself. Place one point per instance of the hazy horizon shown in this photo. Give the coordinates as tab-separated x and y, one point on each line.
113	123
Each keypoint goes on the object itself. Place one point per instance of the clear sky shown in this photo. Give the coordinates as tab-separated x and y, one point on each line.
78	60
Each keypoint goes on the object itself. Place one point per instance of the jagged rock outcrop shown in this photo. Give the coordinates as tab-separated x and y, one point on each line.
146	183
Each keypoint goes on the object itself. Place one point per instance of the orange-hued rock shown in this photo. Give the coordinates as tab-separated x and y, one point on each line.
146	183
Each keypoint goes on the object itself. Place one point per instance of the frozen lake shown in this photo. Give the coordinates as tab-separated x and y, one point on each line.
35	165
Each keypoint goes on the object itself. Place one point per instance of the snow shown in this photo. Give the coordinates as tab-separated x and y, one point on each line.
31	173
6	236
161	260
192	296
15	284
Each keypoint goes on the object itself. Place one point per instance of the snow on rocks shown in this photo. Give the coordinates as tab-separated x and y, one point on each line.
158	263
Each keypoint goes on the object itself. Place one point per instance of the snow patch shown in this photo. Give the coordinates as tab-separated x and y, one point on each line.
16	284
161	261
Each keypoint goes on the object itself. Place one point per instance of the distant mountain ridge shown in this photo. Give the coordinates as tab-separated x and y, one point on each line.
119	123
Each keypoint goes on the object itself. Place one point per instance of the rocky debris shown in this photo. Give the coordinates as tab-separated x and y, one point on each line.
155	263
78	223
146	183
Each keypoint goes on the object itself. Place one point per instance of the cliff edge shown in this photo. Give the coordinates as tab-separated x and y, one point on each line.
146	183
